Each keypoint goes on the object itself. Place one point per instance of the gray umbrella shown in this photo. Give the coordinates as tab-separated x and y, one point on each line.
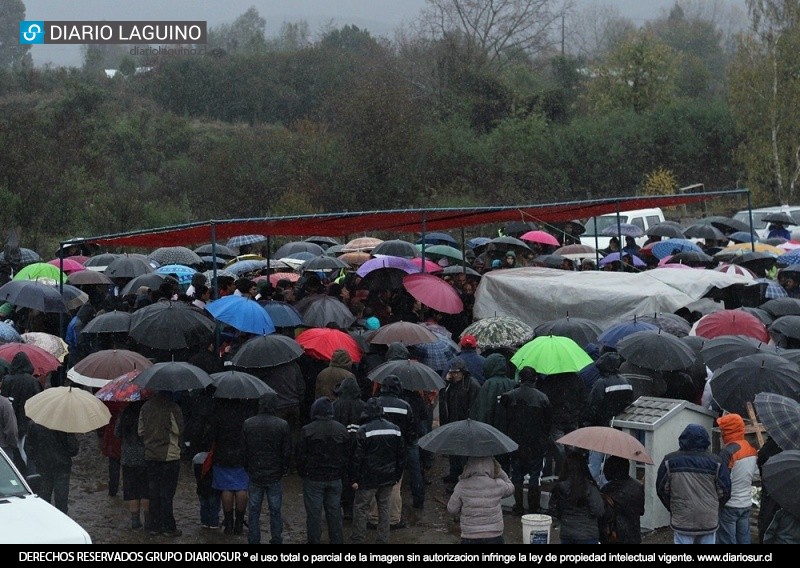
779	217
324	263
266	351
239	385
723	349
127	267
109	322
221	250
397	247
467	438
298	246
666	229
413	375
34	295
327	309
704	231
152	280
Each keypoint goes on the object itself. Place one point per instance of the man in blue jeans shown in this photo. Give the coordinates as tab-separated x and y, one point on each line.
267	445
321	457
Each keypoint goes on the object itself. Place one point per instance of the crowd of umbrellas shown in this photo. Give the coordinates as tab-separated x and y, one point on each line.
748	355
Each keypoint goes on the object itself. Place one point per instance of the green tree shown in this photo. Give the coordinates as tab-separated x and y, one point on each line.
639	74
765	94
245	35
13	55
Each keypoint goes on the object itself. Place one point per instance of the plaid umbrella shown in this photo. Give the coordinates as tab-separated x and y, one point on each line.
790	257
26	256
176	255
780	415
499	332
239	240
437	355
773	290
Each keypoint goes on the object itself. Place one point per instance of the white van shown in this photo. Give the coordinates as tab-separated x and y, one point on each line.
760	226
644	218
28	519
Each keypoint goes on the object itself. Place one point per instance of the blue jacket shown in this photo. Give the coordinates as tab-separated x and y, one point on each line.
693	484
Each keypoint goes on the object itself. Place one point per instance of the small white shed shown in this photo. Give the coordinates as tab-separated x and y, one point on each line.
657	423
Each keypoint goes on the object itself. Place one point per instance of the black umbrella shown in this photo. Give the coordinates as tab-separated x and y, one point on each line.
517	228
221	250
266	351
173	376
324	242
89	278
34	295
384	279
506	243
171	325
758	262
127	267
787	326
327	309
704	231
467	438
152	280
238	384
727	225
738	382
298	246
668	229
458	269
413	375
721	350
779	217
656	350
324	263
777	307
581	330
397	247
109	322
407	333
765	317
691	258
437	239
101	261
671	323
780	416
781	477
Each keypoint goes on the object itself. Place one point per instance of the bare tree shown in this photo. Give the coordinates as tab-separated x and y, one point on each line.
594	31
492	30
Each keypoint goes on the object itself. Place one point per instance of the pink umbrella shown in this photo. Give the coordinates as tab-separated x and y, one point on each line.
69	267
430	266
433	292
541	237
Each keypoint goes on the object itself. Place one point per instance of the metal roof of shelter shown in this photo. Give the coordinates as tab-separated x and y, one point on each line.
398	220
650	412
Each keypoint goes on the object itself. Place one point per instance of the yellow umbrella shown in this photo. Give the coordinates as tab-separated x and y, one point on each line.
747	247
67	409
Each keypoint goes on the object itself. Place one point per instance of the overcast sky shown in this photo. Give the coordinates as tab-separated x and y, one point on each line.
380	17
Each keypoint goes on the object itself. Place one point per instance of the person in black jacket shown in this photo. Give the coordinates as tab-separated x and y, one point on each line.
322	450
455	402
377	465
18	386
267	445
528	422
624	497
52	452
347	409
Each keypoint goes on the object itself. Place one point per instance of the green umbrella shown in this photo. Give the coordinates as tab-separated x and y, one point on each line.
40	271
439	251
551	355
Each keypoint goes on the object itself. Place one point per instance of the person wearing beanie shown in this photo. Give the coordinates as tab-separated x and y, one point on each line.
496	264
377	466
455	403
321	457
472	357
741	458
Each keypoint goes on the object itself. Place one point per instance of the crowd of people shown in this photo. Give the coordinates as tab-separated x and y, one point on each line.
354	442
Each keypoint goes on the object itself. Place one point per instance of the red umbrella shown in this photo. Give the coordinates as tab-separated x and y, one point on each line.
69	265
321	342
541	237
434	292
276	277
42	361
430	266
731	322
123	389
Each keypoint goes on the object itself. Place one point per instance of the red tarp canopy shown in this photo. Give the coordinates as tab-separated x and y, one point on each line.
399	221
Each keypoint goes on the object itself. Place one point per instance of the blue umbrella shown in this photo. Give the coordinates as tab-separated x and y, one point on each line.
614	256
242	313
184	273
439	354
9	334
282	314
743	237
666	248
243	266
773	290
478	242
613	334
789	257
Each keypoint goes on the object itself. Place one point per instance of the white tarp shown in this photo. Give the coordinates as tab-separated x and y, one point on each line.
538	295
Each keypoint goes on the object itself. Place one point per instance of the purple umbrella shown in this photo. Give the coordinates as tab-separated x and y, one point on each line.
615	256
379	262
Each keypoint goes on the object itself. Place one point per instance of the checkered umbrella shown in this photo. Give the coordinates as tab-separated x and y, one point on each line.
239	240
26	256
437	355
780	415
176	255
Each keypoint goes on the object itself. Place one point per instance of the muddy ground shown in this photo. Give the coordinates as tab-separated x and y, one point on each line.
108	522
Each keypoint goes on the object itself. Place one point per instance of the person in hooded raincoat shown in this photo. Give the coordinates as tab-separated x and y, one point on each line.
18	386
477	499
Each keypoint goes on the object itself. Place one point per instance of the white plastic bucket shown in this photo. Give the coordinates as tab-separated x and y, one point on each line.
536	529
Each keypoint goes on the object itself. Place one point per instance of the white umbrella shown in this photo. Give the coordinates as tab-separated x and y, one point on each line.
67	409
